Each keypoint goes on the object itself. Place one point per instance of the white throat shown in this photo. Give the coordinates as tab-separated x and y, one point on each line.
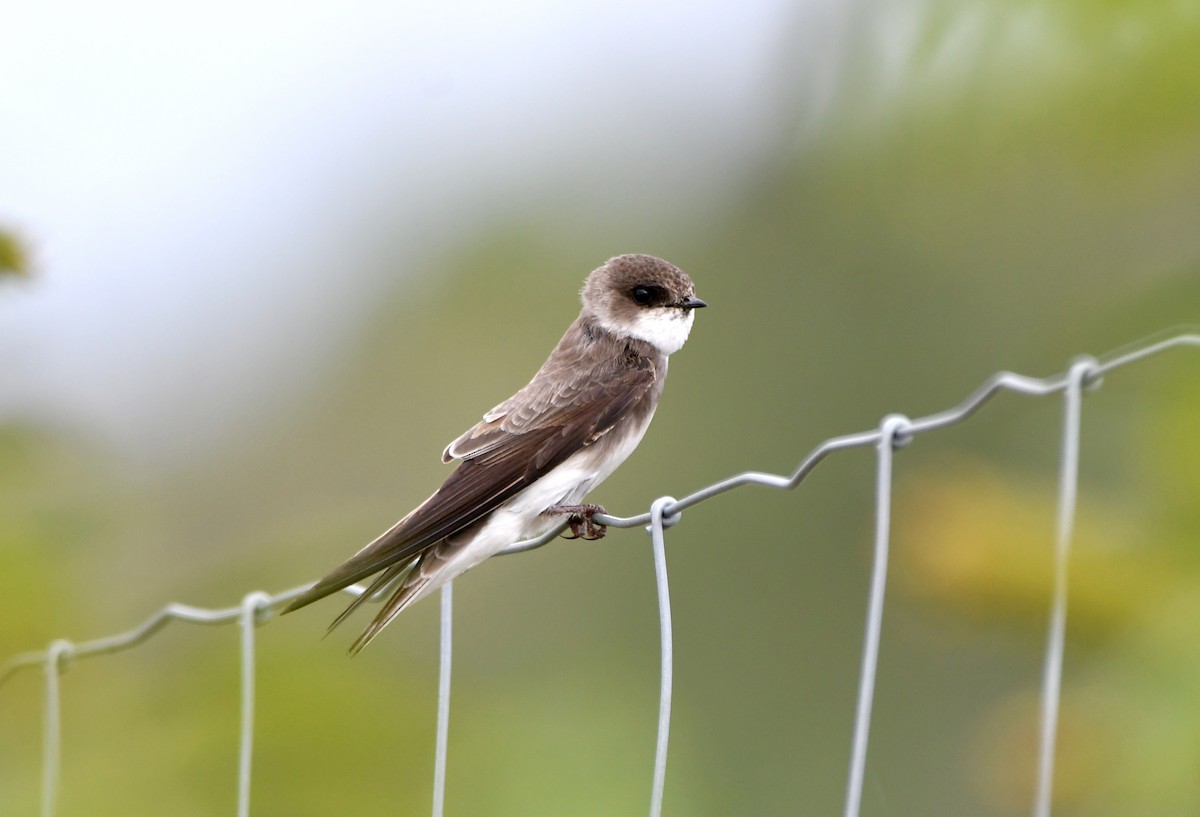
666	328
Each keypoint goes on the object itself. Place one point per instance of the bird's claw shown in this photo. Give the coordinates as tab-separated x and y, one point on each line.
580	522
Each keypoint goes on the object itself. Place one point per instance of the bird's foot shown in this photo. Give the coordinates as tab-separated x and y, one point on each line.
579	520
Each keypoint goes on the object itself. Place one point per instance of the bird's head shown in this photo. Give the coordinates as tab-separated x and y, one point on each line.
643	297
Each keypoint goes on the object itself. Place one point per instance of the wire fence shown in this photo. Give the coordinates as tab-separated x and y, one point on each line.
894	432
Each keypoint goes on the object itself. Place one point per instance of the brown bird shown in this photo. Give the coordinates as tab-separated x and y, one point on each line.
534	457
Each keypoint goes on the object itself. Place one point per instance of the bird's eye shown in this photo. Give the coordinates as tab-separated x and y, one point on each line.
643	295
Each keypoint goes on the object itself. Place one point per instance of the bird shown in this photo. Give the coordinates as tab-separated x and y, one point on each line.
533	458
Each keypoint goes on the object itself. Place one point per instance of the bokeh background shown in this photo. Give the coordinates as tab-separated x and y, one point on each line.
263	260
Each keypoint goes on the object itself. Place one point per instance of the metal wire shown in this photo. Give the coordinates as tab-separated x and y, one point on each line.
248	619
52	726
256	608
658	540
443	708
892	434
1083	371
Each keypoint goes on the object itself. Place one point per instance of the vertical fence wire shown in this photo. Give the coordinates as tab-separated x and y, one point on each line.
52	726
1068	483
247	620
445	648
891	436
658	540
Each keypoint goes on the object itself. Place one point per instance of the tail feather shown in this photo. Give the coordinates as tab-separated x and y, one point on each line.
406	594
388	550
379	584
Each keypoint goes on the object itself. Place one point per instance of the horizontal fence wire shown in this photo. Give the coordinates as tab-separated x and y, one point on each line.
895	431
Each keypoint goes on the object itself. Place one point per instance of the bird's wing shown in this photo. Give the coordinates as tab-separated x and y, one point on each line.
568	384
517	442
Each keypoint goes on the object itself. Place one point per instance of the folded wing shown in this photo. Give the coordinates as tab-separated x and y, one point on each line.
516	443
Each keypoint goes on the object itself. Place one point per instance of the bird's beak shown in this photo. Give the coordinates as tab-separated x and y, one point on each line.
692	302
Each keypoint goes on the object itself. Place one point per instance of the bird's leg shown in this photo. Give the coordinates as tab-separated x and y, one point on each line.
579	520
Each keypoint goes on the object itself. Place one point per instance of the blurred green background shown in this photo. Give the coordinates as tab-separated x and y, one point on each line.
920	194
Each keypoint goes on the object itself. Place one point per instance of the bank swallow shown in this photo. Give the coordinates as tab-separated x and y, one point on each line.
534	457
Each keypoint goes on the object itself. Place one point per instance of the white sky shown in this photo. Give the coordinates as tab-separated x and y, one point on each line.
186	177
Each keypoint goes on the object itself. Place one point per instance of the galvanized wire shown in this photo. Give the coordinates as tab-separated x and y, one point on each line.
443	708
666	674
895	431
52	726
248	620
892	433
1085	370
